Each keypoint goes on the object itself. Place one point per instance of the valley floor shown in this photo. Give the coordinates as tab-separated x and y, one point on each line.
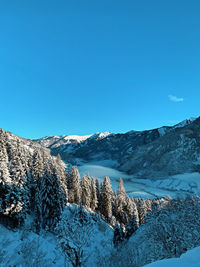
175	186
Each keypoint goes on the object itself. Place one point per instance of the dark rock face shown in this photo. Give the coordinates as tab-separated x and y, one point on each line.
159	152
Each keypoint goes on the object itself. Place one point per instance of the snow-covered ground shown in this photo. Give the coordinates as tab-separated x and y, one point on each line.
175	186
24	248
187	182
189	259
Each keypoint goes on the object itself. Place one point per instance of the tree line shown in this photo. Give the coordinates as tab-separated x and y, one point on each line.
34	182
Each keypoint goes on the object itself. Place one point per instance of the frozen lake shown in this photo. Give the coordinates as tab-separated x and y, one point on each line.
134	189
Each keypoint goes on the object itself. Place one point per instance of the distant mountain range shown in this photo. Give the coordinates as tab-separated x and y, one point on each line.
153	153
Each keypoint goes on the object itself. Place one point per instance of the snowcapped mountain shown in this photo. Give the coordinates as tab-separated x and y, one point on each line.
56	141
164	151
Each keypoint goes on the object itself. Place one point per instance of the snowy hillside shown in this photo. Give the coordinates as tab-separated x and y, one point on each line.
23	247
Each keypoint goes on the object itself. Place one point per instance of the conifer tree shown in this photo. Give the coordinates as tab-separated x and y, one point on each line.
74	187
115	207
4	172
134	222
62	175
120	203
17	166
142	209
129	208
94	200
37	165
86	191
122	200
37	171
100	197
97	189
107	196
121	190
15	202
49	200
148	204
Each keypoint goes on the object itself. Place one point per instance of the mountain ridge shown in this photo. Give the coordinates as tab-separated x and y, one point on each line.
142	153
85	137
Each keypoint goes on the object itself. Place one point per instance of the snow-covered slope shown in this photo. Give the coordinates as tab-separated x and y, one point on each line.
175	152
190	259
24	247
186	182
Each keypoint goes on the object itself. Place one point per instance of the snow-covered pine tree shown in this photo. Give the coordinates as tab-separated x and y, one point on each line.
86	191
74	188
19	173
94	200
107	196
129	208
37	169
97	189
49	200
17	162
62	175
100	196
115	206
142	209
15	194
4	171
148	204
10	210
120	202
15	202
134	222
121	190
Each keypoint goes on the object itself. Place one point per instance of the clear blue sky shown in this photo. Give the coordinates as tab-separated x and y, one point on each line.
80	67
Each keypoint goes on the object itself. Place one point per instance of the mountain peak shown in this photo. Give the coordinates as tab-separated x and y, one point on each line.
185	122
77	138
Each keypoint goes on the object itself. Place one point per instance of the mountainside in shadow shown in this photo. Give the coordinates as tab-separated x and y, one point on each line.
159	152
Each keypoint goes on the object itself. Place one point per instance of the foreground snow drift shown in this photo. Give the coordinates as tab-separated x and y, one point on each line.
189	259
25	248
